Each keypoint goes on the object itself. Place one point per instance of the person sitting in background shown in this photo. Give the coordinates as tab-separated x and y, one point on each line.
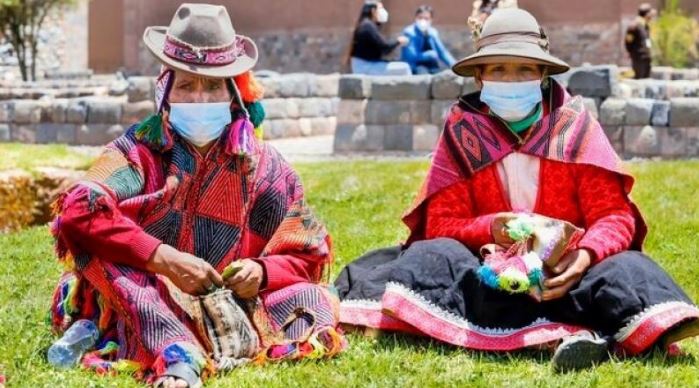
369	47
425	49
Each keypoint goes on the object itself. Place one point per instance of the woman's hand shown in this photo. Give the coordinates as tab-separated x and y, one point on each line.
188	272
247	281
402	40
570	270
499	230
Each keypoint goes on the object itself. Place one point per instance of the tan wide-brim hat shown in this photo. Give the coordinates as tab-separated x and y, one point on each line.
511	34
201	40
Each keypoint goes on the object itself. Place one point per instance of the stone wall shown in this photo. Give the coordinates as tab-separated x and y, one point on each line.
641	118
95	111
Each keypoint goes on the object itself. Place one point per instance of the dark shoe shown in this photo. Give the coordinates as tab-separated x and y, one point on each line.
581	350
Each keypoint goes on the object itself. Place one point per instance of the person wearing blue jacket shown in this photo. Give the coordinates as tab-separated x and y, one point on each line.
425	51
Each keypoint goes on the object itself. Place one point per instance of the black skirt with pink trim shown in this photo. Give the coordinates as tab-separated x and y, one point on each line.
432	288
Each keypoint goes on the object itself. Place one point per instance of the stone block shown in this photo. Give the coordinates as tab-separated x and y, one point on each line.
401	87
135	112
673	142
349	137
354	87
323	126
612	111
398	138
56	111
660	116
638	111
140	89
593	81
270	86
324	85
26	112
653	89
47	133
281	128
6	111
684	112
661	72
101	111
425	137
398	112
4	133
615	134
591	106
23	133
315	107
97	134
281	108
446	85
692	134
294	85
76	113
305	126
118	87
351	111
439	111
641	141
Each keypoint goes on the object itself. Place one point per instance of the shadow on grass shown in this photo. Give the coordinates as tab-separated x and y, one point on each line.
396	341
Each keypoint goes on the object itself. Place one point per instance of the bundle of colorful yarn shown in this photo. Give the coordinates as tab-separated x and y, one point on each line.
539	242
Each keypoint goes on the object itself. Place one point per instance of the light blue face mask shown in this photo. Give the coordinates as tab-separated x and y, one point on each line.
512	101
200	123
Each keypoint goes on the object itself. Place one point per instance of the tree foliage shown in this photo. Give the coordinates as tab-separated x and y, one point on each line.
20	23
675	36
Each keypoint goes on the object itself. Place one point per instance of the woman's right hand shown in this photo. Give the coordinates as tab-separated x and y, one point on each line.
402	40
188	272
498	229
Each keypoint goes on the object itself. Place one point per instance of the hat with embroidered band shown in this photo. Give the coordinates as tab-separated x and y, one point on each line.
508	33
201	40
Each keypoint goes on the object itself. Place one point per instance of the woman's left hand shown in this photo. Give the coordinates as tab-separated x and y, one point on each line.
569	271
246	282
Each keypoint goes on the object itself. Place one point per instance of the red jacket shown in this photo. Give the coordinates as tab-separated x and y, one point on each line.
587	196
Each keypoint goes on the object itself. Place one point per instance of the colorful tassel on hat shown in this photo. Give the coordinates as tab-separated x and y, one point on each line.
150	131
241	137
257	113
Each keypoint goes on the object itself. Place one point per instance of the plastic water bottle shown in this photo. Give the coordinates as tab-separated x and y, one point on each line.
67	351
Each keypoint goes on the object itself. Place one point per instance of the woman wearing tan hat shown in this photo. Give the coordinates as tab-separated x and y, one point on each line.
519	163
188	203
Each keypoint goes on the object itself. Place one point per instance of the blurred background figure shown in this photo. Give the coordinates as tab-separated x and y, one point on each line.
483	8
425	52
369	47
638	41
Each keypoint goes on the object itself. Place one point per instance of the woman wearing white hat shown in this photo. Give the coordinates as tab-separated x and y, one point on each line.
520	151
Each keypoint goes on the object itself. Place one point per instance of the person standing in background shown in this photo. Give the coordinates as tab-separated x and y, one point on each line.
369	47
425	49
638	42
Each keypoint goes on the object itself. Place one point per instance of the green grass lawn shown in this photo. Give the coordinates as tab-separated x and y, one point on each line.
361	203
21	156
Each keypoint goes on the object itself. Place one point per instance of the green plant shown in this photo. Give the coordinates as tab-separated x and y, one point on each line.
675	35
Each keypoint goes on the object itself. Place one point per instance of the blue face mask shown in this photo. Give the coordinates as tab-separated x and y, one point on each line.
512	101
200	123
